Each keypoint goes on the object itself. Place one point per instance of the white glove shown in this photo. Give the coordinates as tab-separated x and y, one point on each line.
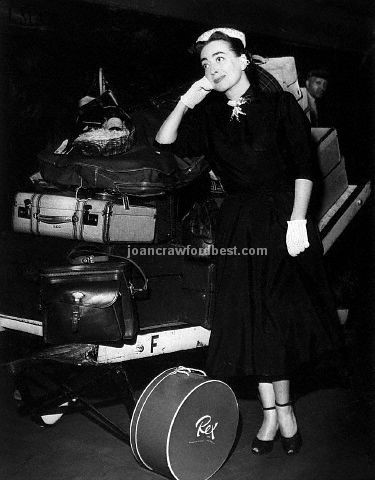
296	237
197	92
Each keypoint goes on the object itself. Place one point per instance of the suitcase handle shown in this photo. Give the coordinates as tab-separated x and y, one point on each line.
187	371
50	219
132	288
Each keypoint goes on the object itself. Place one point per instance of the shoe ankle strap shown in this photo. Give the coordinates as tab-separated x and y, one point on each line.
269	408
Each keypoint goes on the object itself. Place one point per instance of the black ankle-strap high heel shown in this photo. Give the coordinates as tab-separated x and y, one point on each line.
262	447
291	445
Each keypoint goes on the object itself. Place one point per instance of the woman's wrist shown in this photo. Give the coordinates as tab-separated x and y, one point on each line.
302	193
167	133
180	105
297	216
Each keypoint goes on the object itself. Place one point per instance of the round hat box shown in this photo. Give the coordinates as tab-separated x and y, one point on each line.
184	424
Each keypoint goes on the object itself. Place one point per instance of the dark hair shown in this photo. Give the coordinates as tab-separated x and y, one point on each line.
318	72
235	43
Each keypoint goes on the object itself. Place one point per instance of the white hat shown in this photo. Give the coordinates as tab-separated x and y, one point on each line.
231	32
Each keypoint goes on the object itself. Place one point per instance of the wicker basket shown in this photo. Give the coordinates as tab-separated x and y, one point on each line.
105	143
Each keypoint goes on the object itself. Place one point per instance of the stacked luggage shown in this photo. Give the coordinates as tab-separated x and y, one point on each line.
111	203
147	230
130	195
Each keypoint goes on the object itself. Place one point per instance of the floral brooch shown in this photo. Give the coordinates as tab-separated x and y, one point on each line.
237	104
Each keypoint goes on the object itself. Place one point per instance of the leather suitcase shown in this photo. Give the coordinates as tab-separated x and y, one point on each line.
87	304
180	289
184	424
333	180
141	171
90	220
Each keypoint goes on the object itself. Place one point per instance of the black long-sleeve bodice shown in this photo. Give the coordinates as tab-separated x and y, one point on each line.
267	146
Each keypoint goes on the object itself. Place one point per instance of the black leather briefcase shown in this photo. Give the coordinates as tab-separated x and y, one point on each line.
88	304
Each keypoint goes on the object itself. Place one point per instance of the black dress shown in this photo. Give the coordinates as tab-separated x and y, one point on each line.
273	312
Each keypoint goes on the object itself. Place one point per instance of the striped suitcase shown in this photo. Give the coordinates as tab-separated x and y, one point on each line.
184	424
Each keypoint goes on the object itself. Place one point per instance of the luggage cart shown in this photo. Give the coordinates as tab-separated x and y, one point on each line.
152	340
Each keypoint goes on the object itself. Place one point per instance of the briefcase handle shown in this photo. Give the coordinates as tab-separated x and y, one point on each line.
133	289
88	257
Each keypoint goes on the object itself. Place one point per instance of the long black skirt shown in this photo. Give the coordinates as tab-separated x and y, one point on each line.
272	312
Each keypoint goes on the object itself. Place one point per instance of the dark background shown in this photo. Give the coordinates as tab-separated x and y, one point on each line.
50	52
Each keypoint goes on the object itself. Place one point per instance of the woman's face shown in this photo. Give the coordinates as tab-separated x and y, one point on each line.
222	67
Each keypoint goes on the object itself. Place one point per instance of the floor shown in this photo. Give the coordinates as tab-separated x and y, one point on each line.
334	414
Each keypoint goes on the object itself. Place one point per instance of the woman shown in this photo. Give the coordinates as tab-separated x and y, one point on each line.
272	312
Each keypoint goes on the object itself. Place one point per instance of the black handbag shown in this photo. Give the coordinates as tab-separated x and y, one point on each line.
89	304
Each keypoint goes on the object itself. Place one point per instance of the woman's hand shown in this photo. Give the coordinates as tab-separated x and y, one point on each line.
167	133
296	237
197	92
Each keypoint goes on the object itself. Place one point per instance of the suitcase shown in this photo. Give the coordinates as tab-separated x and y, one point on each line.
90	220
284	70
184	424
105	221
328	149
333	180
180	289
167	227
87	304
141	171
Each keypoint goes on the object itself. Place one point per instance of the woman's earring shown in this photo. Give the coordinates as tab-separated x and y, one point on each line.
245	62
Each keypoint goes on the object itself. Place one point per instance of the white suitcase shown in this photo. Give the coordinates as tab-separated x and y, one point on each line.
91	220
46	214
105	221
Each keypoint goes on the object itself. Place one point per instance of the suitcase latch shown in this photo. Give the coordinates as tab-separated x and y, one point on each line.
89	218
76	314
25	212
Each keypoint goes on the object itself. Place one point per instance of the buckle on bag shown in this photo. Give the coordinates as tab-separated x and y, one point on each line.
76	314
134	290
